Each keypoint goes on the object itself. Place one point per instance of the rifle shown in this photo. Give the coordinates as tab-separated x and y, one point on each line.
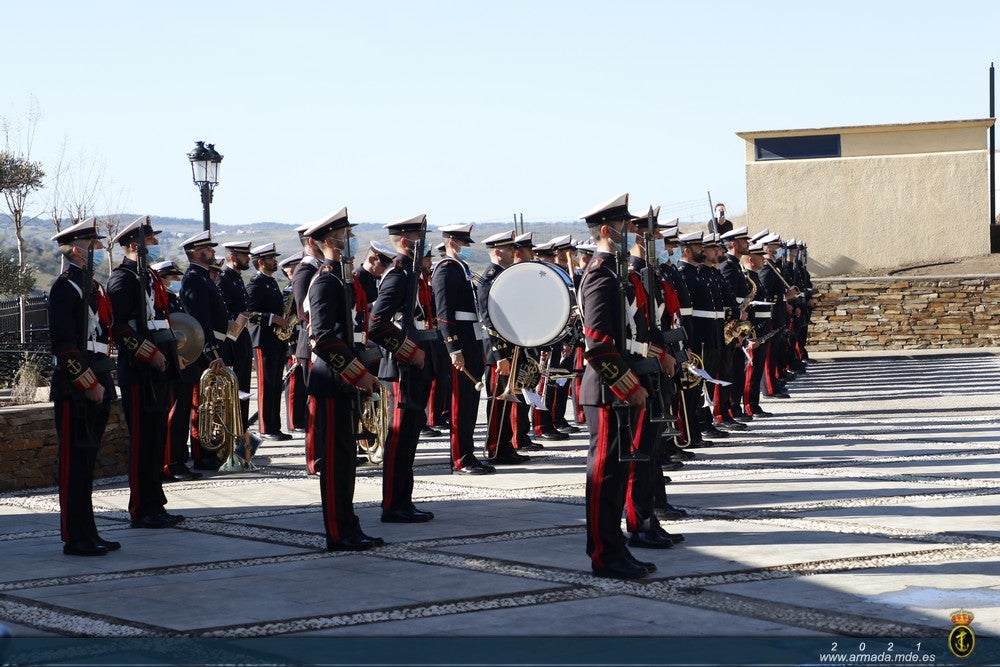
711	208
406	373
620	408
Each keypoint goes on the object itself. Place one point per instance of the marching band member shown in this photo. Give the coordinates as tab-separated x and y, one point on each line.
403	368
312	257
266	301
335	367
293	380
737	243
500	419
237	350
203	301
147	367
760	317
456	302
607	379
82	388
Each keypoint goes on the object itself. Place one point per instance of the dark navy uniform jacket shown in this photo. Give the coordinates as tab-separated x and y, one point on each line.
703	329
234	293
301	277
140	330
335	367
79	363
774	290
456	312
265	299
607	374
393	294
203	301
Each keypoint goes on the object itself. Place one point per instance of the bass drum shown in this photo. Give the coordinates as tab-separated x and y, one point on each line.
530	304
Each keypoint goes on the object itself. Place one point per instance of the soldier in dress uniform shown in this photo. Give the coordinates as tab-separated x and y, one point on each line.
779	295
737	243
147	369
268	305
563	359
238	348
176	452
439	399
82	388
203	301
608	380
725	398
460	328
312	257
760	318
293	381
500	419
584	251
404	368
336	374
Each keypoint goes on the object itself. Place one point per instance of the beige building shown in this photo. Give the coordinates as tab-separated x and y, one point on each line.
873	196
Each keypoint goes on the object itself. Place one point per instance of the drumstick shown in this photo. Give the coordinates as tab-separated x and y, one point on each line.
479	383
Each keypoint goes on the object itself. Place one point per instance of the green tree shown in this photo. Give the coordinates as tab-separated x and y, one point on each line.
19	177
14	279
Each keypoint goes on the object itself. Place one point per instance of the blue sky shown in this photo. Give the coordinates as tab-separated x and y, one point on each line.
471	111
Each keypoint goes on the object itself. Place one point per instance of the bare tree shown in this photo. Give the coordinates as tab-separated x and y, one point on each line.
84	182
56	188
114	203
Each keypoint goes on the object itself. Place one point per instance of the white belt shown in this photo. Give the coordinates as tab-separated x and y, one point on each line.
709	314
94	346
763	315
219	336
686	311
635	347
360	337
465	316
152	325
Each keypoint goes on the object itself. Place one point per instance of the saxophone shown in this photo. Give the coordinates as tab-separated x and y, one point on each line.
291	317
739	328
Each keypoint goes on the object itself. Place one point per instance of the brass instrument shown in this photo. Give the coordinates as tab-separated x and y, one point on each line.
291	317
735	329
690	379
525	373
373	423
220	426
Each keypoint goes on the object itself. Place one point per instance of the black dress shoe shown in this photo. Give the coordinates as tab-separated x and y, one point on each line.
670	466
162	520
299	431
206	464
700	443
741	416
84	549
406	516
714	432
780	394
567	428
474	469
683	455
379	542
429	515
649	540
174	519
354	543
532	446
510	458
757	412
275	436
108	544
429	432
184	475
734	425
675	538
622	568
650	568
671	514
553	435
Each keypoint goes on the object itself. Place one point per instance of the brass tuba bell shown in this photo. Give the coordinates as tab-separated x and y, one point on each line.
220	422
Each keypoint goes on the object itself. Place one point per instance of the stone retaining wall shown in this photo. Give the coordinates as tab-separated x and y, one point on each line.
29	449
899	313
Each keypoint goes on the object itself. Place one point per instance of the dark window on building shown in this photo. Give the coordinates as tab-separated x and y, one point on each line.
798	148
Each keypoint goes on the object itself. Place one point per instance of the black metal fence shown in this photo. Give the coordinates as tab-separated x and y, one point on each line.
14	353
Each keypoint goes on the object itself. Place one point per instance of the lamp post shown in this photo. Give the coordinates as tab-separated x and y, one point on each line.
205	162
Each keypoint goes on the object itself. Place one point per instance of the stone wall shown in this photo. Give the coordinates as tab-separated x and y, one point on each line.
901	313
29	448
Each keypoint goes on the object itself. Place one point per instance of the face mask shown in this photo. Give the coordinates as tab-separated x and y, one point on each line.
152	253
465	253
100	256
175	286
663	257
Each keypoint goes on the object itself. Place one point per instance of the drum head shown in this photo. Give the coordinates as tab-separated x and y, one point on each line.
530	304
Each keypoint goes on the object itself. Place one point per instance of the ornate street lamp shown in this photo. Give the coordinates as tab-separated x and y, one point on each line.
205	161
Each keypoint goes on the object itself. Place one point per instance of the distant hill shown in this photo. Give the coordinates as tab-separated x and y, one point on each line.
41	251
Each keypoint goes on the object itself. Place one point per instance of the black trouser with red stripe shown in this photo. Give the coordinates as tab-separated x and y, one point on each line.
80	425
754	376
464	412
405	422
499	417
146	405
296	396
606	480
521	423
270	366
439	403
175	454
643	476
333	429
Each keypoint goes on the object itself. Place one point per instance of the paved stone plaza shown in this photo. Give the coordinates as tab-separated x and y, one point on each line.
867	507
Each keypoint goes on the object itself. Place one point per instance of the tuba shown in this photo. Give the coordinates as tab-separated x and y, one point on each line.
220	422
373	423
